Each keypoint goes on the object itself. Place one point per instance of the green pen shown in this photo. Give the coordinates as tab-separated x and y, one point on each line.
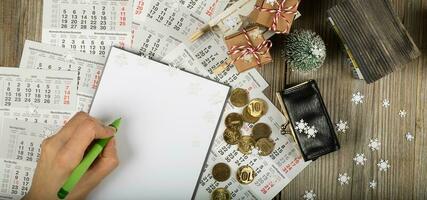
87	161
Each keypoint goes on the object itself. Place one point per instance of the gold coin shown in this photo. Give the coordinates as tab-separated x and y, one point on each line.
246	144
257	107
245	174
265	146
221	194
221	172
247	117
231	136
234	121
239	97
261	130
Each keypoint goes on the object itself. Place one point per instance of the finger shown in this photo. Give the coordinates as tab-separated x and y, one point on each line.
110	150
104	165
83	136
69	128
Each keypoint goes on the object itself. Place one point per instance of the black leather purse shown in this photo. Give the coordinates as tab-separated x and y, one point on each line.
304	102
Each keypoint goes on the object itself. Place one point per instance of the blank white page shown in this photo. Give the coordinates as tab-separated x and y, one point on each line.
169	118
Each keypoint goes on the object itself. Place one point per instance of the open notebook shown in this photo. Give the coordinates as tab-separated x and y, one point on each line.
169	118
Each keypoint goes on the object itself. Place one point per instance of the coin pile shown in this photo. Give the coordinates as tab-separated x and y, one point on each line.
259	139
251	113
221	172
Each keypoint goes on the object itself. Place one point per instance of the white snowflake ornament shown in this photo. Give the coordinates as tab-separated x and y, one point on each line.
372	184
360	159
311	132
33	108
254	34
383	165
343	178
409	136
248	57
174	4
69	57
357	98
374	144
402	113
255	151
386	103
342	126
271	2
231	22
318	52
309	195
301	126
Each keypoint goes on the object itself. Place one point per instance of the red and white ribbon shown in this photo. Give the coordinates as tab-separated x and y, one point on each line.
280	12
250	49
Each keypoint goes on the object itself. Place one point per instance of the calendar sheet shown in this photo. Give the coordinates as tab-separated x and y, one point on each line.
275	171
182	58
89	26
202	9
40	96
161	25
21	140
47	57
20	148
15	178
207	53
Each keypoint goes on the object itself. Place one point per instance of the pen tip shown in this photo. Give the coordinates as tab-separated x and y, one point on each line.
116	123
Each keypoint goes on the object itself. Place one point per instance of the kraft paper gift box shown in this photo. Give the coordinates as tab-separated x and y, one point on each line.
278	16
248	49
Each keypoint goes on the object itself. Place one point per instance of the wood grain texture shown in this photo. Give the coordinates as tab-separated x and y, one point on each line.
406	89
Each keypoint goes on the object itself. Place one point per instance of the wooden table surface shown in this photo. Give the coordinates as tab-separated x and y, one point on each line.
406	89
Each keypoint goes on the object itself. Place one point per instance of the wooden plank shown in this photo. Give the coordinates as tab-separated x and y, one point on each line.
21	20
9	32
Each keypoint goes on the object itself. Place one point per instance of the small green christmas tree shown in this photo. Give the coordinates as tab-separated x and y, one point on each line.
304	50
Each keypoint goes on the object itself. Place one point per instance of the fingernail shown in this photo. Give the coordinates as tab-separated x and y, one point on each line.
111	130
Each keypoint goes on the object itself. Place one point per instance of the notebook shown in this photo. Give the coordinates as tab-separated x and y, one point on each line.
169	118
373	36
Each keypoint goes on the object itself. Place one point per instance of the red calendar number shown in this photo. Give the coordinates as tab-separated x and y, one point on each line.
123	16
67	94
139	7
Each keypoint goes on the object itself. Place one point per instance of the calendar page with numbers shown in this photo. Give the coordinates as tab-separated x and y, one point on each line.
204	10
43	96
21	140
47	57
20	148
161	25
88	26
15	178
182	57
210	51
275	171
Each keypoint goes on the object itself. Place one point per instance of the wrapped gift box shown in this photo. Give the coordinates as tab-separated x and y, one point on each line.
278	15
248	49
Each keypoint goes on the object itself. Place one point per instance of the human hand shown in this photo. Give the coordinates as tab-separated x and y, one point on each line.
62	152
